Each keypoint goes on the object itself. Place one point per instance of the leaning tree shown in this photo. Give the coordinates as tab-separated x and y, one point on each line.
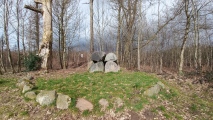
45	48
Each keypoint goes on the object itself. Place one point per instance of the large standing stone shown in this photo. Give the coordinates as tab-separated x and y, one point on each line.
111	66
30	95
83	105
153	90
89	65
63	101
46	97
97	67
111	57
98	56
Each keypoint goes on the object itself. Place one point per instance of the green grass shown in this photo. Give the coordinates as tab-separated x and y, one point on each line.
24	113
7	83
95	86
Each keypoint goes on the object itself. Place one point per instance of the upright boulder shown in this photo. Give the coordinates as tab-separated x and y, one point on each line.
111	57
111	66
97	67
98	56
101	62
90	63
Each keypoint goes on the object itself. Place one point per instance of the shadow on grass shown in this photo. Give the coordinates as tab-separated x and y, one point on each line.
2	82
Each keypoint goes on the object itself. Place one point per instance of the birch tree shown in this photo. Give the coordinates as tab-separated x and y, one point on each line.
187	26
18	11
7	5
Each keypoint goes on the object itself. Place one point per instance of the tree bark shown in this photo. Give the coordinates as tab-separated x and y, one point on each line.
23	34
91	27
17	33
130	14
185	37
2	58
45	49
118	34
197	60
6	20
37	29
139	35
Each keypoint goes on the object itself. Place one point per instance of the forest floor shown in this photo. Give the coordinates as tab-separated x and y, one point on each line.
189	98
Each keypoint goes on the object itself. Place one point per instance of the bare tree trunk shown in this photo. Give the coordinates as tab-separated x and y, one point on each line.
196	37
64	55
18	31
139	34
118	35
2	58
59	46
37	28
130	14
23	43
45	50
6	20
185	36
161	44
91	27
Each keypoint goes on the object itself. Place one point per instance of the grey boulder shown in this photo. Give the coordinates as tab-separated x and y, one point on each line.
111	66
27	88
153	90
30	95
98	56
46	97
89	65
97	67
111	57
63	101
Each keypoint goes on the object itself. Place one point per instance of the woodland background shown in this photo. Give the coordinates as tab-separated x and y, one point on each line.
179	37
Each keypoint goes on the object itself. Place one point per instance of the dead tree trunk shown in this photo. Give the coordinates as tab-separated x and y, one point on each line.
45	48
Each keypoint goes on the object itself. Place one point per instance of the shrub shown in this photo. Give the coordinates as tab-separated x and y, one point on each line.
32	62
209	76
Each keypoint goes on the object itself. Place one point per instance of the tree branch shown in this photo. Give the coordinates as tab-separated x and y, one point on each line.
33	9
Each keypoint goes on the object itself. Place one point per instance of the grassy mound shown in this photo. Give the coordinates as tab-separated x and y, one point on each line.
127	86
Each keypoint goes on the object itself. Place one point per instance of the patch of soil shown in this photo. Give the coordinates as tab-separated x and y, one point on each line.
134	115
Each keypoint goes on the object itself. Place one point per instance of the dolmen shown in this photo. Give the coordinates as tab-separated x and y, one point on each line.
102	62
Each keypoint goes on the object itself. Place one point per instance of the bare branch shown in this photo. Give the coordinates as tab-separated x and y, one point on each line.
33	9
